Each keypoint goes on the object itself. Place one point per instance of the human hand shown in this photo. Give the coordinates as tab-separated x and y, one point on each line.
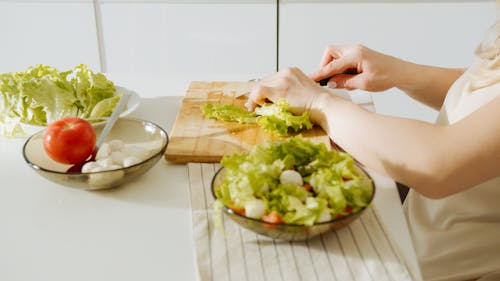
290	84
358	67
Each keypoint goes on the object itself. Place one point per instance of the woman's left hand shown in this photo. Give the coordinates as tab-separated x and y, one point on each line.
290	84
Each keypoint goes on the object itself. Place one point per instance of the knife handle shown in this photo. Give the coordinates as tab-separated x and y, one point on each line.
323	82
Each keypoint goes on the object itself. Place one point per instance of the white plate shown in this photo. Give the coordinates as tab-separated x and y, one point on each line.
133	103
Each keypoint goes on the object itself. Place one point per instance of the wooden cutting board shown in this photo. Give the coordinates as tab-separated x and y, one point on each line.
195	138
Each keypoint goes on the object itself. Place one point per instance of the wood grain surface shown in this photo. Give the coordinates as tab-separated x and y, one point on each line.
195	138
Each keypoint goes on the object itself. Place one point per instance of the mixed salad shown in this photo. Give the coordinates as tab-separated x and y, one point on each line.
274	118
293	182
42	94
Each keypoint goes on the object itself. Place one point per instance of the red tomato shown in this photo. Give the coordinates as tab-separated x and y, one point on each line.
69	140
272	217
240	211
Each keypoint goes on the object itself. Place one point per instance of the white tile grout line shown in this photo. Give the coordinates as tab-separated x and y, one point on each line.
100	35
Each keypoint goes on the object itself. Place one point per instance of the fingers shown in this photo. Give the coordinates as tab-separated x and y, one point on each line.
267	88
334	67
330	53
290	84
250	105
257	97
347	81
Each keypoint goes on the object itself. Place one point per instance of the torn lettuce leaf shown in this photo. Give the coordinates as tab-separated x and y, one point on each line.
274	118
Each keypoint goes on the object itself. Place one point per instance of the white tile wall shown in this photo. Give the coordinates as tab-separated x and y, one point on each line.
58	34
443	33
172	44
157	46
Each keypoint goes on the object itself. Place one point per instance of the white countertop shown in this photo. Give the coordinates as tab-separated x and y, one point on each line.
140	231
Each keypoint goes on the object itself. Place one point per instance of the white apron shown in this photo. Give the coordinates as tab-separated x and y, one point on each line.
458	237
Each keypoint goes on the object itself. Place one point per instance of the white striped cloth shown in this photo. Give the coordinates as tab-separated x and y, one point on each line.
361	251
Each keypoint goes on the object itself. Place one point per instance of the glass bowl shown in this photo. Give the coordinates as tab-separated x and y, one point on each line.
131	131
290	232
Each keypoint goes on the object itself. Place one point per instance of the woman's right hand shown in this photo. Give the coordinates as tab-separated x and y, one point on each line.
358	67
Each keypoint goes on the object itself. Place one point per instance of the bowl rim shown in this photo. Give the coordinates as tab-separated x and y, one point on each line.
146	122
229	210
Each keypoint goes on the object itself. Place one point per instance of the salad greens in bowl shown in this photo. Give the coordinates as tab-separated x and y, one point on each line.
292	189
41	94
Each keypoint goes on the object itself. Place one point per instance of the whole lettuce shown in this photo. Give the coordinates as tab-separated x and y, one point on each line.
42	94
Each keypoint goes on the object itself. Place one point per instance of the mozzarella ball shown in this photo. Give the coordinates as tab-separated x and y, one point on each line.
98	168
255	208
117	157
130	160
291	177
89	166
103	151
116	145
105	162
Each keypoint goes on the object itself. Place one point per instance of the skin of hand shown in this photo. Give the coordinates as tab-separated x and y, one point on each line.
373	71
290	84
434	160
358	67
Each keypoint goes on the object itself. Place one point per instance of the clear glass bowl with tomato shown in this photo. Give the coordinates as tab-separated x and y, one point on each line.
134	132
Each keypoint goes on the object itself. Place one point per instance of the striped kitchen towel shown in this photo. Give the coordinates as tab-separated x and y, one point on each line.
361	251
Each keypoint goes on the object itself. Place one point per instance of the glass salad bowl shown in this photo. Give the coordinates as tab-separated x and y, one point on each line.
135	134
226	182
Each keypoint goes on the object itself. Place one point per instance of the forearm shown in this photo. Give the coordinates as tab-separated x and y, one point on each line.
427	84
435	160
386	144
